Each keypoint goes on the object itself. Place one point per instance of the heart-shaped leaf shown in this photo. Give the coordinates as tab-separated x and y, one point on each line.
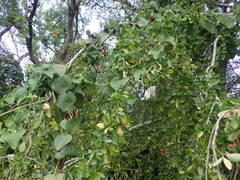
117	83
34	80
13	138
62	84
59	69
65	101
71	125
61	140
70	150
59	155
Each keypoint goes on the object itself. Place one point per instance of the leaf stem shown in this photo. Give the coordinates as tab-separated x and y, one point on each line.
26	105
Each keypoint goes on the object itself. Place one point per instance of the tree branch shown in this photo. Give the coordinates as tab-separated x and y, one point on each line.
22	56
72	6
5	30
30	32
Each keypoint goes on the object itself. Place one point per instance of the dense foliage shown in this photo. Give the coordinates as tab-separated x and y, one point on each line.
10	73
152	107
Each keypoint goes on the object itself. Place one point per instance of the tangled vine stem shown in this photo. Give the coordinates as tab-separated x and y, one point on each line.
212	144
209	68
213	137
26	105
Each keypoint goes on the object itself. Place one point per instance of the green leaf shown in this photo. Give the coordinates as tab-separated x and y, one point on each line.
10	98
21	115
62	84
71	125
59	69
153	4
34	80
141	21
101	37
234	157
111	24
236	9
227	20
22	147
20	92
137	74
49	69
208	26
70	150
234	123
97	176
61	140
171	40
13	138
156	53
44	69
107	90
117	83
59	155
65	101
91	76
59	176
80	100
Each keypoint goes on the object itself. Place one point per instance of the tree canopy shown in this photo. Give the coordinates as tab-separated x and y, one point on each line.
147	97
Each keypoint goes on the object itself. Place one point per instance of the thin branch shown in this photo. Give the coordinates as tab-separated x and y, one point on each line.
139	125
210	113
226	5
26	105
236	173
214	54
7	156
5	30
70	162
22	56
208	153
214	144
69	64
